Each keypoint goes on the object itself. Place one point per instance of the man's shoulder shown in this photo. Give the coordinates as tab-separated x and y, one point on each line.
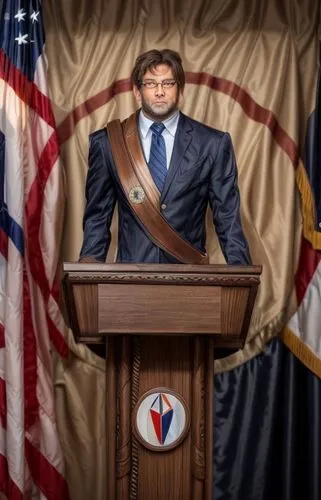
202	128
101	134
98	134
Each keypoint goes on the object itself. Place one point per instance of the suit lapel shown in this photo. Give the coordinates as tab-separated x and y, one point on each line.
182	140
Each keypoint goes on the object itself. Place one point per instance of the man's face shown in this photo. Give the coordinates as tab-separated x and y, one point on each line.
160	102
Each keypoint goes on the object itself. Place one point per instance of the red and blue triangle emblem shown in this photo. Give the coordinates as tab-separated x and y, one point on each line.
161	413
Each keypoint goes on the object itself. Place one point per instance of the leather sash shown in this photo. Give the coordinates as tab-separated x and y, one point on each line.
142	193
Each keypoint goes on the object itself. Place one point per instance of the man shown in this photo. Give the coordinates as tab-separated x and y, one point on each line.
181	165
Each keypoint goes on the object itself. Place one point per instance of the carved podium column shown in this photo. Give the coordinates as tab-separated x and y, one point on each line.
161	324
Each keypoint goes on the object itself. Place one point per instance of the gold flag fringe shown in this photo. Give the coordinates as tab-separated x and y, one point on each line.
301	351
308	208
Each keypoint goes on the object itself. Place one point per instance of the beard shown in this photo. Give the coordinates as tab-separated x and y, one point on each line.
160	111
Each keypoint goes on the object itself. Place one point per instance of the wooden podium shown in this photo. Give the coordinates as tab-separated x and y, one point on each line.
161	324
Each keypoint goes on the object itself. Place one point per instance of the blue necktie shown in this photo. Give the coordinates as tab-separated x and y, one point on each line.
157	157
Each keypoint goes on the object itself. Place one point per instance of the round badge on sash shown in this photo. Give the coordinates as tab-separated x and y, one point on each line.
136	195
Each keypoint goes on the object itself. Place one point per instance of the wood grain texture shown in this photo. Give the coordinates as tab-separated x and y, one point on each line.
166	362
158	309
197	427
123	459
234	301
86	304
134	400
209	416
162	322
94	269
111	418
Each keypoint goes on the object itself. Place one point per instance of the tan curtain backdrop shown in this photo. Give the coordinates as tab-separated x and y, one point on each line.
251	70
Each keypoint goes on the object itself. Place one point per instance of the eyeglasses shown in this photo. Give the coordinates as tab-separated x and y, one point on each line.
152	84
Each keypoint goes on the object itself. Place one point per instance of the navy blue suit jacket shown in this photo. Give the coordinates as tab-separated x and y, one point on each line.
202	170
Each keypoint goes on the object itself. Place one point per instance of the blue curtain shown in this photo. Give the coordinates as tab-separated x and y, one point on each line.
267	430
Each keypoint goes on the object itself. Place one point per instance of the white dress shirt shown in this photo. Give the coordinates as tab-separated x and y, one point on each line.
169	132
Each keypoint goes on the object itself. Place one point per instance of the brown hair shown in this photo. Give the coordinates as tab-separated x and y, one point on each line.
149	60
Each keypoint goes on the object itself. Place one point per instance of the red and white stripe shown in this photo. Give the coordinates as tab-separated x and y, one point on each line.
31	459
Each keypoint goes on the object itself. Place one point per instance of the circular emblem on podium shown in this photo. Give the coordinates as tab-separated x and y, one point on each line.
161	419
136	195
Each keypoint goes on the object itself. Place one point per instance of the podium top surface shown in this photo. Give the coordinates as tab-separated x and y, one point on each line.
85	267
143	299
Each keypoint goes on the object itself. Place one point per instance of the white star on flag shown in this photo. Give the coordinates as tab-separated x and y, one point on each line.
22	39
20	16
34	16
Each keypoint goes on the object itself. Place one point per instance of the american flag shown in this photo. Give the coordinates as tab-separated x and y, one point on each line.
302	334
31	201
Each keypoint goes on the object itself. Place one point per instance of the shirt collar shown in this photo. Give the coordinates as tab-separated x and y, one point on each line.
170	123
